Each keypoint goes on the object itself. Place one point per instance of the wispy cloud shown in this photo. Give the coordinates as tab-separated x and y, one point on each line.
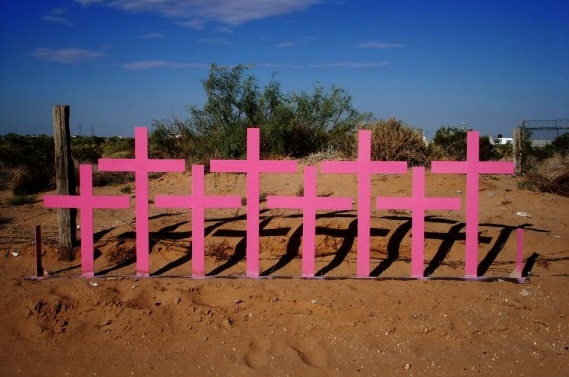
157	64
151	36
58	16
357	65
68	55
378	45
194	13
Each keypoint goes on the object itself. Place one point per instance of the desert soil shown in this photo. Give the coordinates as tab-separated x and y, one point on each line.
280	325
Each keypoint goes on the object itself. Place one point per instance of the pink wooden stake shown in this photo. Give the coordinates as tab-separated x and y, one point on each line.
364	167
418	203
473	167
39	265
309	203
198	202
141	166
86	202
253	166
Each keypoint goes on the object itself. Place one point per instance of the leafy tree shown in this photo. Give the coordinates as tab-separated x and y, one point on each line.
291	124
561	143
453	141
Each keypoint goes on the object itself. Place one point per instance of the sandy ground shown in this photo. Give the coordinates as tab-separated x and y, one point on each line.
280	325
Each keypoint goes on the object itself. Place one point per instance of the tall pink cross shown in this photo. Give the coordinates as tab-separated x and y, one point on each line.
473	167
418	203
253	166
309	203
86	203
363	167
141	165
198	202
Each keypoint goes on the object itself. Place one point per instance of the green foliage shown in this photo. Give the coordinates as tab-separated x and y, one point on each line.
19	200
26	163
561	143
452	141
291	124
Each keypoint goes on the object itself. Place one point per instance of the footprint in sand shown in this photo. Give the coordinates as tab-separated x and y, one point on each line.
311	352
257	356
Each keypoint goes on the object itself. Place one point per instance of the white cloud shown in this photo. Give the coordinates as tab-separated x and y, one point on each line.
229	12
214	41
58	16
68	55
153	64
378	45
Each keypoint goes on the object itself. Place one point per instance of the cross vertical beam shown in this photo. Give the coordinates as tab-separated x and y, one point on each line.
473	168
363	167
418	203
309	203
197	202
141	165
86	203
253	166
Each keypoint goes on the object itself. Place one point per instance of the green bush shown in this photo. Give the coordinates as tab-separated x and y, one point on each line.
19	200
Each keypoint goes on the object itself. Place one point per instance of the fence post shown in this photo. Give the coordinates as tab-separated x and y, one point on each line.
65	180
517	150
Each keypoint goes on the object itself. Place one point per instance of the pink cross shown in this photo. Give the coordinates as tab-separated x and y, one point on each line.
418	203
309	203
86	202
141	166
473	167
198	202
253	166
364	167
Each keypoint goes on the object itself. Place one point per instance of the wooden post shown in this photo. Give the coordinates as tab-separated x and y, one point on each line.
517	150
65	180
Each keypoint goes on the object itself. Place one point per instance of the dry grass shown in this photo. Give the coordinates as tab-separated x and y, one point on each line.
394	141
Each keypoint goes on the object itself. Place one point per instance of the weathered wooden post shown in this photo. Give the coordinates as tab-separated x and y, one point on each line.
65	180
517	150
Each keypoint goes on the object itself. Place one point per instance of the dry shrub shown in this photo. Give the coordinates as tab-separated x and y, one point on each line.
24	181
220	251
551	175
121	253
392	140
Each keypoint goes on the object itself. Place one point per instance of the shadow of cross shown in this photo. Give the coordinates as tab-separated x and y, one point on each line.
472	167
198	202
363	167
418	203
141	165
86	203
253	166
309	203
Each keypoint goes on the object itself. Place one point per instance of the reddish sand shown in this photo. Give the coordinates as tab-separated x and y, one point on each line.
280	325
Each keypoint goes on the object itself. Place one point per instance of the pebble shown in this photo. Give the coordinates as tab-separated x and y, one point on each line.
407	366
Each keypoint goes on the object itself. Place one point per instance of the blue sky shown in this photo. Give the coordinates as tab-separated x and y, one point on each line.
125	63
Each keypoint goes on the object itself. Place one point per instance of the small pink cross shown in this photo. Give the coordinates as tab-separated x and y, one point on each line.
364	167
418	203
198	202
253	166
141	165
473	167
309	203
86	203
